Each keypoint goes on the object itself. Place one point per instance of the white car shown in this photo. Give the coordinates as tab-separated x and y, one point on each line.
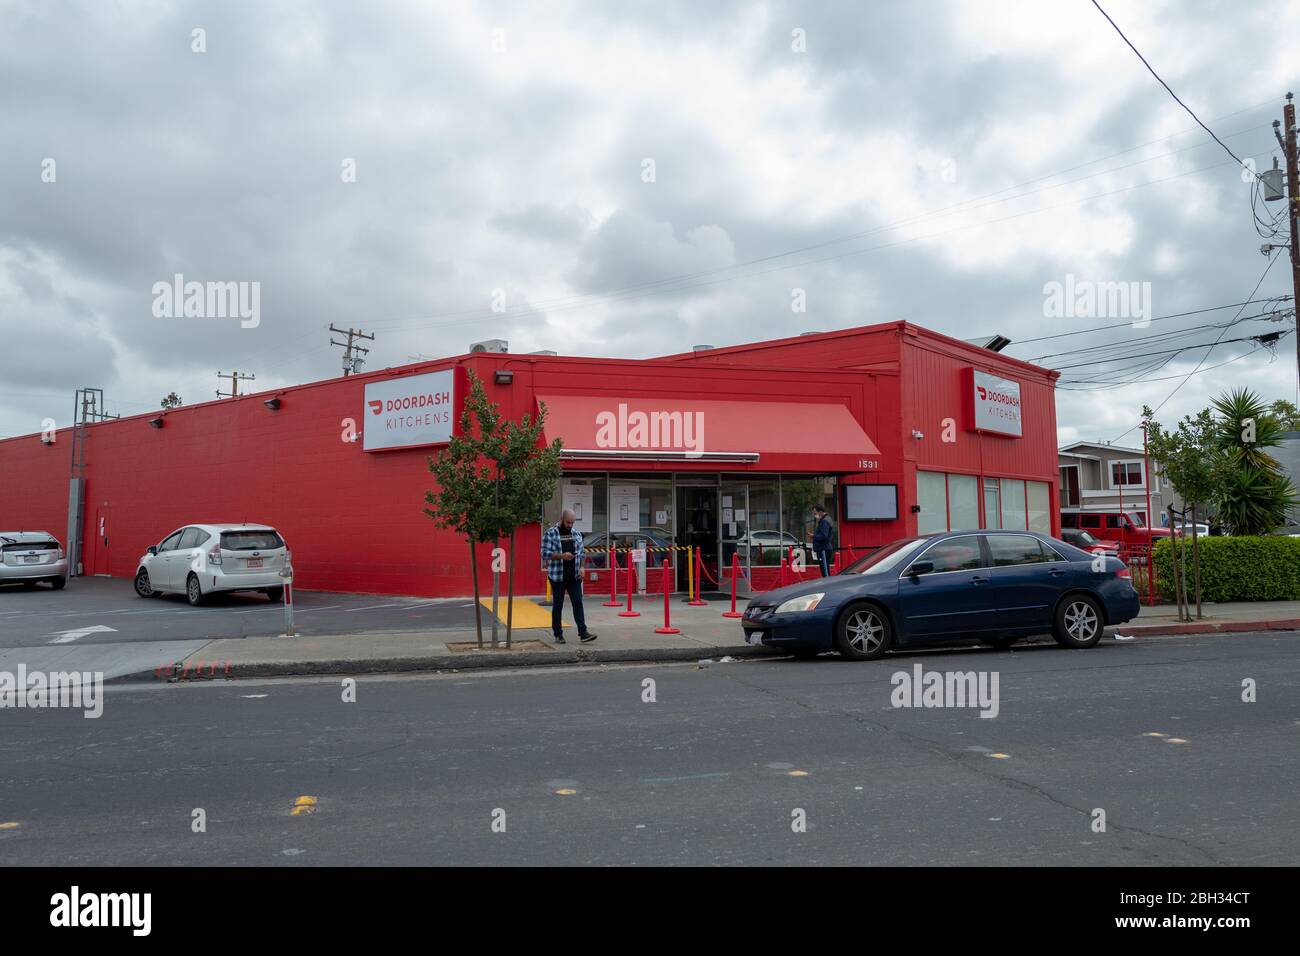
28	557
202	559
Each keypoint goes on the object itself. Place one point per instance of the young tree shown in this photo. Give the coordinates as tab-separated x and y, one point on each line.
465	501
1189	457
492	478
171	401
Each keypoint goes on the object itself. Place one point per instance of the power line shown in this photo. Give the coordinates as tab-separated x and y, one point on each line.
1158	318
1250	296
1167	87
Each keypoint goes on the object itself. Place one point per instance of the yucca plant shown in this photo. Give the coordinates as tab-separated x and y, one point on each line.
1245	427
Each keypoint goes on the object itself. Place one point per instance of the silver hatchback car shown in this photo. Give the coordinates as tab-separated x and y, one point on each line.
202	559
29	557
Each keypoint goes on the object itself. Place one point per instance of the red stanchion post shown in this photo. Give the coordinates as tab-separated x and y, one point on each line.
835	564
735	573
629	612
668	626
613	580
780	581
698	601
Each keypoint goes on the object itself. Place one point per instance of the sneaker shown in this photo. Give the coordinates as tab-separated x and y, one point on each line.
558	639
587	638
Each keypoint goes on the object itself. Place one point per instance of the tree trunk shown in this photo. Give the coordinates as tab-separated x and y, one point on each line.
510	591
496	590
1196	565
1173	558
478	606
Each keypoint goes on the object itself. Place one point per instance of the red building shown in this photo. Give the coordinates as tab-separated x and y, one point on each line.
899	430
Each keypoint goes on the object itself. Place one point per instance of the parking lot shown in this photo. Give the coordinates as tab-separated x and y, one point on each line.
107	610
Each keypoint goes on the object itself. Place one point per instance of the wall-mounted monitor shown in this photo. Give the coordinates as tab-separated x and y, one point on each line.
870	502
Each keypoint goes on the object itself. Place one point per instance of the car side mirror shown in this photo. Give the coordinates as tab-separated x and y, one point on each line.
919	568
152	549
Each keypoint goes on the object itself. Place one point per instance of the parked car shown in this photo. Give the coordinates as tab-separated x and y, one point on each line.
203	559
30	557
596	547
997	586
769	546
1086	542
1126	527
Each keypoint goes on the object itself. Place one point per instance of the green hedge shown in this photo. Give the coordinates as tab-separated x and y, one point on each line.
1235	569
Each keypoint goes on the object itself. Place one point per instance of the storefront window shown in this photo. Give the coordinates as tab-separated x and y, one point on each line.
588	497
1040	514
799	493
1013	504
992	504
766	543
963	502
932	496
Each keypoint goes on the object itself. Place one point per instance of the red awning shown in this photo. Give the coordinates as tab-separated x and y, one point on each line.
787	435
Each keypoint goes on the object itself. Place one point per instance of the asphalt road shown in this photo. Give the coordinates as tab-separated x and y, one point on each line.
30	618
710	773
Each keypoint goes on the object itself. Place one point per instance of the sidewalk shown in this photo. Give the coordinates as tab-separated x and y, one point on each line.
705	635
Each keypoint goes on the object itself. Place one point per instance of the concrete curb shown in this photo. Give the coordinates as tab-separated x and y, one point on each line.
1211	627
469	660
570	655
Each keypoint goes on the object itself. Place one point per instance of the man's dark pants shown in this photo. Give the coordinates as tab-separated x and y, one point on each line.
573	587
824	558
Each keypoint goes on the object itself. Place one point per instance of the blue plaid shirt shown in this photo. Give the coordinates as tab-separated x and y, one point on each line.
553	553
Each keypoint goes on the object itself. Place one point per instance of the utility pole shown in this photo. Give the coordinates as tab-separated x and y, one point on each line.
352	360
235	379
1287	140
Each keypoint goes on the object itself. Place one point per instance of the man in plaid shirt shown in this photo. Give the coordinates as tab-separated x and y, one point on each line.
562	555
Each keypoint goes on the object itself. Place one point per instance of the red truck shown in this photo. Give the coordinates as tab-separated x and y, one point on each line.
1126	527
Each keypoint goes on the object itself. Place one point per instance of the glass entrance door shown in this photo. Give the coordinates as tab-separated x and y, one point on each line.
697	527
733	530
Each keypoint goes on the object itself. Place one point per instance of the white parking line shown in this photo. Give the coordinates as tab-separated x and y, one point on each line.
304	610
371	607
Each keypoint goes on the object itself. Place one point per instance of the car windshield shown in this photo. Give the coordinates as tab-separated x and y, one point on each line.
1084	538
250	541
1137	520
886	557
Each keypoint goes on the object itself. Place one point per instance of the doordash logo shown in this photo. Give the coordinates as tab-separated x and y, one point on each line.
411	410
680	431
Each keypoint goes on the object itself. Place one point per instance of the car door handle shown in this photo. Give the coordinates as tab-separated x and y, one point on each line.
1056	572
978	579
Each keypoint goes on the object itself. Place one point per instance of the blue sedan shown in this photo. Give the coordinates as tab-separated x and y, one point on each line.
996	586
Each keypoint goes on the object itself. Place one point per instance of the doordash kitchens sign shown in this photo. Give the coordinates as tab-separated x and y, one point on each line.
993	404
414	410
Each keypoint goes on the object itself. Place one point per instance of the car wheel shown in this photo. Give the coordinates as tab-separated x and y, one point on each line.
142	586
863	633
193	592
58	583
1001	643
275	594
1078	622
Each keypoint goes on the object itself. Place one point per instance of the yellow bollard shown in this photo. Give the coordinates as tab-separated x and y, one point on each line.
690	573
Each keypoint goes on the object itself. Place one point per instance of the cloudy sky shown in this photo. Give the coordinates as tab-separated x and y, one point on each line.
629	179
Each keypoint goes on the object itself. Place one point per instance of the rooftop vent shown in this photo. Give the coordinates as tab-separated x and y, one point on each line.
700	348
994	343
813	332
490	345
544	352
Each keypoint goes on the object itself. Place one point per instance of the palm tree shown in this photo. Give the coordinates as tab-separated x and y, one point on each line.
1255	494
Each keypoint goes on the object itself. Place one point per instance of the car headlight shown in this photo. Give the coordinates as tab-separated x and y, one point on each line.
805	602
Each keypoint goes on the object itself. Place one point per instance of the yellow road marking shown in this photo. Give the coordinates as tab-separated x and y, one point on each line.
1175	740
1000	756
797	773
8	826
566	792
303	806
1154	734
528	614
